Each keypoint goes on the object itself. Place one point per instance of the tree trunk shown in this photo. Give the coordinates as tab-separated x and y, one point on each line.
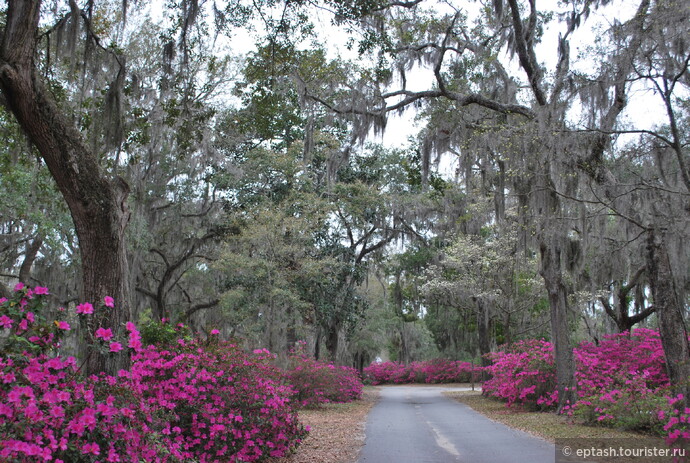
97	204
31	252
317	343
669	309
483	336
332	342
560	323
500	194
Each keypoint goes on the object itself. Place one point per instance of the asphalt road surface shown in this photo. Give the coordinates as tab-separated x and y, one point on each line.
421	425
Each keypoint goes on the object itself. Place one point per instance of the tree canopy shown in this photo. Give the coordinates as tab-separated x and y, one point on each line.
154	157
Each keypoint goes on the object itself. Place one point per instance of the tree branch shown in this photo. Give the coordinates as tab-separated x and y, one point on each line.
525	50
195	308
413	97
642	315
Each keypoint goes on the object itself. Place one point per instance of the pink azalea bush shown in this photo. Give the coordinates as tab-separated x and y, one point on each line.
388	373
621	383
197	402
620	361
48	414
430	372
318	382
221	403
523	372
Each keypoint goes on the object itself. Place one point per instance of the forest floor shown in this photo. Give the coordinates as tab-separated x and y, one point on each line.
337	431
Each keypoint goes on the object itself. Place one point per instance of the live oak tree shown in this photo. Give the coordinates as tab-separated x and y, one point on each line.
553	153
173	164
96	199
65	78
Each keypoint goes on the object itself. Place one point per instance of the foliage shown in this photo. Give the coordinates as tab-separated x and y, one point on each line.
621	360
431	372
318	382
524	372
482	278
222	402
621	383
194	402
27	328
164	333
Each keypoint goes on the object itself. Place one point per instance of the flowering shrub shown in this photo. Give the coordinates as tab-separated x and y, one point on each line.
52	414
49	412
221	402
388	373
676	422
525	373
318	382
445	371
621	383
196	402
25	327
432	371
621	362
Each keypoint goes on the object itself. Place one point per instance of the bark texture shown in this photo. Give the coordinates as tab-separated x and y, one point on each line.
560	323
669	309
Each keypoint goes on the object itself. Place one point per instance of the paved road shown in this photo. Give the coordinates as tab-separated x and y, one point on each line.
421	425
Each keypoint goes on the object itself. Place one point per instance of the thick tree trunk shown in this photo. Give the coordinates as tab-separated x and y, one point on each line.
97	204
560	323
669	309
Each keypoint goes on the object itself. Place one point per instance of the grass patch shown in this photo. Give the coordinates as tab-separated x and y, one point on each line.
549	426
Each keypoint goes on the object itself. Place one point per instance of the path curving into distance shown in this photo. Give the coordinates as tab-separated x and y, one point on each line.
421	425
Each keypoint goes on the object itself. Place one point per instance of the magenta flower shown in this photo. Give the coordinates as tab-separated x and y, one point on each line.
19	286
6	321
214	332
31	317
92	448
3	300
85	308
115	347
40	290
134	343
62	325
105	334
109	301
134	337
